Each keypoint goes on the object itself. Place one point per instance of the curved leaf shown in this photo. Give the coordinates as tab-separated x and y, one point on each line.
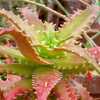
44	81
64	91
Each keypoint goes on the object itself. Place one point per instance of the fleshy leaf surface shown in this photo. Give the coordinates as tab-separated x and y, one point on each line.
44	82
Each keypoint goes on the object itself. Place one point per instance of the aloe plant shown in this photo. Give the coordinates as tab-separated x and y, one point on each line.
46	60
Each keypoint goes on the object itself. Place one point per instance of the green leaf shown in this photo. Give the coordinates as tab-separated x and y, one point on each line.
18	69
75	25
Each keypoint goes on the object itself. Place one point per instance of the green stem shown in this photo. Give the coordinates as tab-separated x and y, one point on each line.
62	41
48	9
84	2
95	65
90	41
96	35
61	7
41	1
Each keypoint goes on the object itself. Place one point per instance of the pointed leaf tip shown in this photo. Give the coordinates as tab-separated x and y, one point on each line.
43	83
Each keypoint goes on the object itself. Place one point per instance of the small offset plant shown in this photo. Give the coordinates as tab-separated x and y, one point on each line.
44	62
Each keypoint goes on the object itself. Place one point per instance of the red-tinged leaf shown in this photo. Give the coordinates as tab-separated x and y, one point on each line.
89	76
8	61
2	97
32	18
28	14
18	92
81	91
44	82
95	52
65	91
6	85
24	45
